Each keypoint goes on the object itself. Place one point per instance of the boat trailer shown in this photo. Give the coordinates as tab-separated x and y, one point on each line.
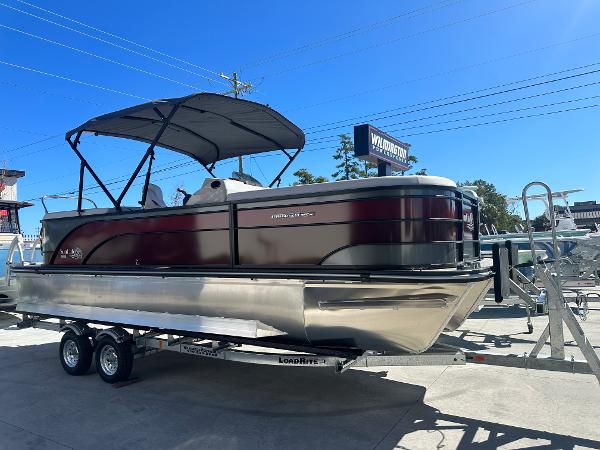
82	340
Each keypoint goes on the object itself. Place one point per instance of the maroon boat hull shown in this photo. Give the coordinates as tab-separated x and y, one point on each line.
417	227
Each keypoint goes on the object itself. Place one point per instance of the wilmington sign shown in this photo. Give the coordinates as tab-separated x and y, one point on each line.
374	145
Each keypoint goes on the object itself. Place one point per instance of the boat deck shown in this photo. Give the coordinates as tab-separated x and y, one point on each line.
180	401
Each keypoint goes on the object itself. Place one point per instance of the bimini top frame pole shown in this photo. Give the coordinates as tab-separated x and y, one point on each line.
291	159
84	164
149	154
207	127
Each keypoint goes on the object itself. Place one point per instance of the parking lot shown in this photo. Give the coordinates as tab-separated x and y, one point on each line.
182	402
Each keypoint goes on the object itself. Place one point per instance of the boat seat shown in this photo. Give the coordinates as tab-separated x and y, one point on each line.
154	197
217	190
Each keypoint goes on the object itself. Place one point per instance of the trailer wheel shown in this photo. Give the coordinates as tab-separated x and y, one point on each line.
75	353
114	360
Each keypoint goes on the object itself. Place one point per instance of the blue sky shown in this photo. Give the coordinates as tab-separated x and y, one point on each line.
316	62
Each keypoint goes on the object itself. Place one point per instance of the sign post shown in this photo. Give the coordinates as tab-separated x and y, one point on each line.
373	145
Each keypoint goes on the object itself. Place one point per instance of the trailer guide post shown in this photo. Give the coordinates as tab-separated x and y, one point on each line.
373	145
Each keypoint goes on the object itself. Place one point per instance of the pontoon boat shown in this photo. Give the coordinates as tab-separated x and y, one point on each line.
379	263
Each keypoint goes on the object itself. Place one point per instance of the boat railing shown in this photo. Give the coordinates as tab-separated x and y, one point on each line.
17	246
64	197
552	218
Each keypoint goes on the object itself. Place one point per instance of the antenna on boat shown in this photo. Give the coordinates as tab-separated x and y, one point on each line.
239	87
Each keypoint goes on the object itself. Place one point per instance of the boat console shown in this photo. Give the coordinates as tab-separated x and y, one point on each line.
217	190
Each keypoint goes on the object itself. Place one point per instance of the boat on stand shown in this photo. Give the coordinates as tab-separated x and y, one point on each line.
579	248
383	263
13	245
10	227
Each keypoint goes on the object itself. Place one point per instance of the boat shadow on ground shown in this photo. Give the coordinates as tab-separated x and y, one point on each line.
485	341
183	402
499	312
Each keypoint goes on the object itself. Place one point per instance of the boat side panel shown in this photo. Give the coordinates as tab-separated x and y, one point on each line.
186	247
399	208
313	244
201	238
409	231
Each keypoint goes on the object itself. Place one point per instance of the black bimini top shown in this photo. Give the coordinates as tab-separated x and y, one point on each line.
208	127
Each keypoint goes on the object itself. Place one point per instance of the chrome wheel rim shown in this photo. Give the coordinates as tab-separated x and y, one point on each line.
109	361
70	354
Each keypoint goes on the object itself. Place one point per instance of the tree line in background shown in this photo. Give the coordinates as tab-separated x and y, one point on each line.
495	209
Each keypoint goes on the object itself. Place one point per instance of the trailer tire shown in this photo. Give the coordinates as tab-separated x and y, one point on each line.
114	360
75	353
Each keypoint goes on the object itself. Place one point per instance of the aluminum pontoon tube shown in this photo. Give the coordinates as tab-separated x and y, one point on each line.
367	315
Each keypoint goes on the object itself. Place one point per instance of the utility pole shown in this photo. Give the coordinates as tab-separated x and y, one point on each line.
238	88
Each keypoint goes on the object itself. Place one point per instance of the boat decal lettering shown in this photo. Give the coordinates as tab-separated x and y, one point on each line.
71	253
469	220
198	350
301	361
292	215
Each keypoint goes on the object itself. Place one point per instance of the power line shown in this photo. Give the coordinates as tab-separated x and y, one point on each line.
110	43
452	71
328	147
392	41
74	173
442	99
12	158
22	130
416	110
72	80
103	58
504	120
478	97
479	116
115	36
24	155
34	143
46	92
323	138
351	33
125	178
489	105
309	150
119	179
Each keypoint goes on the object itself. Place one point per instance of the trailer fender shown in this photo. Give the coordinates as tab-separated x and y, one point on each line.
117	333
79	328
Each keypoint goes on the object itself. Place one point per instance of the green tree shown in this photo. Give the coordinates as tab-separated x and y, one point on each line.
540	223
305	177
494	209
369	170
421	172
348	167
412	160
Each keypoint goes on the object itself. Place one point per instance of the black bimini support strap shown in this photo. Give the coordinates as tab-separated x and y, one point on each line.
277	179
